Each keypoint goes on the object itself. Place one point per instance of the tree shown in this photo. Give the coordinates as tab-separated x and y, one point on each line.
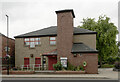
106	36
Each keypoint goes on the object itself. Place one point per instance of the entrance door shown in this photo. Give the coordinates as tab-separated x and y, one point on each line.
26	62
51	60
37	62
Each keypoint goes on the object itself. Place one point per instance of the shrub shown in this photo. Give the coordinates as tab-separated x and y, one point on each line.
73	68
70	67
57	66
107	66
117	65
79	68
111	60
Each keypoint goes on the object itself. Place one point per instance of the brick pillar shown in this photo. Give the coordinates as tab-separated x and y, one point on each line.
64	32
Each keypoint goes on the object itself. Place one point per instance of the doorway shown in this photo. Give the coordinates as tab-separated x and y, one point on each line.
51	60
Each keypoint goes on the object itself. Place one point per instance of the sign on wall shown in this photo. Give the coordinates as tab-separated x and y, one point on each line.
64	61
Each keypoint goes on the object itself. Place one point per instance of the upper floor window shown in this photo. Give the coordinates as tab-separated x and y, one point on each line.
52	40
32	42
27	42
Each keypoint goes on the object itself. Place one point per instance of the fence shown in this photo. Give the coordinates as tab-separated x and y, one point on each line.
33	67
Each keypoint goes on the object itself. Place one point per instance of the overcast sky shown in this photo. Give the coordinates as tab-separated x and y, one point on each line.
30	15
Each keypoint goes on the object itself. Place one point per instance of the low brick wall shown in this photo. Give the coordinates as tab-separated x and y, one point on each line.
18	72
70	72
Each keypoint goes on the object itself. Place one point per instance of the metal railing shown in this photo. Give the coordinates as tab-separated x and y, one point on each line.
33	67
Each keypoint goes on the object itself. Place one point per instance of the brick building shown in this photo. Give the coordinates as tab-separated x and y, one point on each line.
3	47
63	42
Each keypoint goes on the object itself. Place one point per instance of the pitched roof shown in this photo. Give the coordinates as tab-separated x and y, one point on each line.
82	48
52	31
6	36
1	34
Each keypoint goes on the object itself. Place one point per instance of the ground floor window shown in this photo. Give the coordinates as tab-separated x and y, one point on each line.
26	62
37	61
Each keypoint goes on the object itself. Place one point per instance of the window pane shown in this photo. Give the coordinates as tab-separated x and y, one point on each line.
32	44
52	42
39	39
36	43
31	39
52	38
36	39
26	39
27	43
39	42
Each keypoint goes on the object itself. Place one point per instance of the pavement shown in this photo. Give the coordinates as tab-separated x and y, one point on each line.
109	73
103	73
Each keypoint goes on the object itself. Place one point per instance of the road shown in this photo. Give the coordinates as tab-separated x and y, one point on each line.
104	74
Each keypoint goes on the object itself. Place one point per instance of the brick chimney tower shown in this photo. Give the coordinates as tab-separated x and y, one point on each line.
64	32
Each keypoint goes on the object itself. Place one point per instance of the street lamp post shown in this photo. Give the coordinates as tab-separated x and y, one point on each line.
7	44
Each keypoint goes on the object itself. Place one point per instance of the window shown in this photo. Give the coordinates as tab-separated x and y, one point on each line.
26	62
52	40
37	41
37	61
32	42
26	40
32	39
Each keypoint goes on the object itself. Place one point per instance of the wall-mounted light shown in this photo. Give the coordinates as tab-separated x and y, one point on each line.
75	55
80	54
31	55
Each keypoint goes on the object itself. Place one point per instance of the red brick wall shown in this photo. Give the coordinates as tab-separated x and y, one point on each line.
64	34
0	46
11	45
65	42
90	58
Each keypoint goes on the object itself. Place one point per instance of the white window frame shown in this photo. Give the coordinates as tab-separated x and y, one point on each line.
52	39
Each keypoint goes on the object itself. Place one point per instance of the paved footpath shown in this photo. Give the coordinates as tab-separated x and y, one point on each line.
108	72
104	73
